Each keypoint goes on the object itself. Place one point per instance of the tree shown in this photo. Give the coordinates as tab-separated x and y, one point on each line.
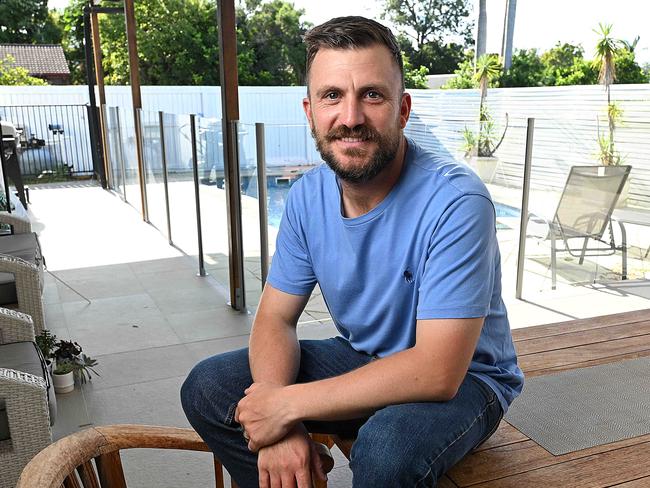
430	20
182	52
186	51
270	47
606	49
28	22
425	28
526	69
414	77
72	24
16	75
564	64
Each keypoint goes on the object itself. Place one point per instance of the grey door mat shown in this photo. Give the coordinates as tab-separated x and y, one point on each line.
585	407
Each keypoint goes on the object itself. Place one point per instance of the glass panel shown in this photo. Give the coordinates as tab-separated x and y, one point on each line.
182	205
250	213
114	146
129	154
290	152
153	165
572	198
214	215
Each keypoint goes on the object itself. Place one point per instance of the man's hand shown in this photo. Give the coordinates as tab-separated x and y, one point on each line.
291	462
265	415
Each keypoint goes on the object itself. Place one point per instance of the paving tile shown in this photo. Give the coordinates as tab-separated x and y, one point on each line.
204	349
150	403
177	279
114	310
170	300
143	365
149	468
158	265
216	323
122	335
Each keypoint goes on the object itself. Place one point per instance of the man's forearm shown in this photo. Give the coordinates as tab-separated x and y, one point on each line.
395	379
274	353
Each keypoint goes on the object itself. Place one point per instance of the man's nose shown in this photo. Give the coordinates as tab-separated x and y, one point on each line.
352	115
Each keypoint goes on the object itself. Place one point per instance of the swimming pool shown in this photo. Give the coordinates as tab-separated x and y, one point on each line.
277	196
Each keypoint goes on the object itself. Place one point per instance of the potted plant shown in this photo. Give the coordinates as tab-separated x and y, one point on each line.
46	342
71	364
479	148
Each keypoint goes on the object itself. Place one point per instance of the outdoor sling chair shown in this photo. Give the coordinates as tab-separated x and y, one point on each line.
27	401
584	215
21	269
69	461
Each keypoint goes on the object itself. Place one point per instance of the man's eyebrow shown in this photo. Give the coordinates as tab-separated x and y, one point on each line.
326	89
382	87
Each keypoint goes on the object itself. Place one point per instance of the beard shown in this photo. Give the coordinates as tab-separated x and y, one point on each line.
376	162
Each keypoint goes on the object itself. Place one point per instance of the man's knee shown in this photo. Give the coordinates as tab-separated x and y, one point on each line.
382	457
215	385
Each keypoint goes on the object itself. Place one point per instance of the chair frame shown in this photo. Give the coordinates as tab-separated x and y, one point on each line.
556	231
69	463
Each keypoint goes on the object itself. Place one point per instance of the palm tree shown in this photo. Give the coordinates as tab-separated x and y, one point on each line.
487	68
606	49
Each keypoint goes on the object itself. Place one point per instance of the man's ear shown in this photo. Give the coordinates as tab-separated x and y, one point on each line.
404	110
306	106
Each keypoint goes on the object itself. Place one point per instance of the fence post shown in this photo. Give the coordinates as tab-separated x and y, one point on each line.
197	199
523	222
261	199
163	153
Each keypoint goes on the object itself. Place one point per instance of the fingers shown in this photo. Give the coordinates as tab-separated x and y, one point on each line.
303	478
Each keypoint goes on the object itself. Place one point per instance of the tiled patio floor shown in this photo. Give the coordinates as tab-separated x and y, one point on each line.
150	318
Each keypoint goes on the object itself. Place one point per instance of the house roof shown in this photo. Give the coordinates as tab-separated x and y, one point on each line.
38	59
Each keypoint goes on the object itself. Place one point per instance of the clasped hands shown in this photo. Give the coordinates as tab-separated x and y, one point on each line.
266	414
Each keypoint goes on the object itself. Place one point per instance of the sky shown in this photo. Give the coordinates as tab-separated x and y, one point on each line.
539	23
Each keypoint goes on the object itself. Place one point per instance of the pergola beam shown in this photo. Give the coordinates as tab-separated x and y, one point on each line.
230	118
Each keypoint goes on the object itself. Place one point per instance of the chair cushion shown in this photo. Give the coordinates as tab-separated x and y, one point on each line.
24	357
23	246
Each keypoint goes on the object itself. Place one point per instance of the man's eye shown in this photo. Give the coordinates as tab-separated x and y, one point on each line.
331	96
373	94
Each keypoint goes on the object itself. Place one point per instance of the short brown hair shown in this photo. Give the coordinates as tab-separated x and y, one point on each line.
350	33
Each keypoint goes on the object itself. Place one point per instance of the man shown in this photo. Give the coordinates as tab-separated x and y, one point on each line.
402	243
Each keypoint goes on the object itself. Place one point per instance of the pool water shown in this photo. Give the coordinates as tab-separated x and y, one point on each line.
277	196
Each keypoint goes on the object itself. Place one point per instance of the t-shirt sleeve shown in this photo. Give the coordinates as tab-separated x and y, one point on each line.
458	277
291	268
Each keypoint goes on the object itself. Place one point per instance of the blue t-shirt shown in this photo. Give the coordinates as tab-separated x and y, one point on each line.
427	251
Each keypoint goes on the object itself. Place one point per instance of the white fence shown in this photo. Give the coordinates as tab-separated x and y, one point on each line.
566	125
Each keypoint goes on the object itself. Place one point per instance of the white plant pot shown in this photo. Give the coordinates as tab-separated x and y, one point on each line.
63	383
485	167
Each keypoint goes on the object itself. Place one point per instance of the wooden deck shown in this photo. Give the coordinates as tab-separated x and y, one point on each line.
510	459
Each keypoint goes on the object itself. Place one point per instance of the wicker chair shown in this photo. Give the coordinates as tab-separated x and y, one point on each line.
24	400
68	462
27	275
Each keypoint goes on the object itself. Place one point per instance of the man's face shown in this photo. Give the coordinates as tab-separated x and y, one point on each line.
356	110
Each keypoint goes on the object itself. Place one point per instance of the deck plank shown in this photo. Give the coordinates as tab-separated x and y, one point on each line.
558	328
640	483
522	457
584	353
626	464
572	339
509	459
504	435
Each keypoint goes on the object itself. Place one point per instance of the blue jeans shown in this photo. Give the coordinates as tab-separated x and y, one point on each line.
405	445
